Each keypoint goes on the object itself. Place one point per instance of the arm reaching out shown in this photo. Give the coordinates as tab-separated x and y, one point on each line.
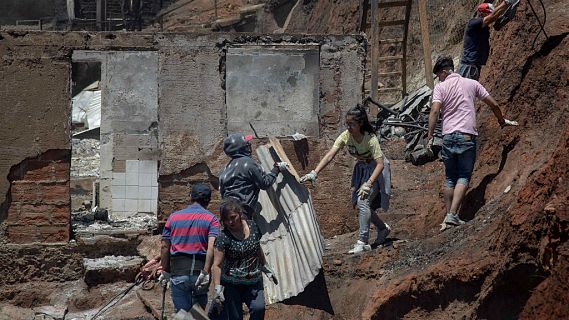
498	12
433	118
321	165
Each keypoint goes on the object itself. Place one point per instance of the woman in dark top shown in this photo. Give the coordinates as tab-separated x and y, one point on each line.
238	266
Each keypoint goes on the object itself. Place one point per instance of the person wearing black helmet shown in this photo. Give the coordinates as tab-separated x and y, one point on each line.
454	99
477	38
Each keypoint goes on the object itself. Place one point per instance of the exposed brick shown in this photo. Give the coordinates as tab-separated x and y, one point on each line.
38	170
36	209
34	218
21	234
25	191
57	193
61	171
13	213
54	233
34	214
61	215
166	208
175	192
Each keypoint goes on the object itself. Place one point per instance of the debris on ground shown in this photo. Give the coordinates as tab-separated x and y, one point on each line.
409	120
94	222
111	269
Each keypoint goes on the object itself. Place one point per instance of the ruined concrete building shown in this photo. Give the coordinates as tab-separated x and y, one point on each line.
103	133
167	101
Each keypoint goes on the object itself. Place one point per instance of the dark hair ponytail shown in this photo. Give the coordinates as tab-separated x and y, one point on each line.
359	114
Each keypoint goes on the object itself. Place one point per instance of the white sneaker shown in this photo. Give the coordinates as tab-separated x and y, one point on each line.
453	219
382	235
360	246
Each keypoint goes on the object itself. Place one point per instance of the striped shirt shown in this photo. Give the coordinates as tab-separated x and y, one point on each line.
188	230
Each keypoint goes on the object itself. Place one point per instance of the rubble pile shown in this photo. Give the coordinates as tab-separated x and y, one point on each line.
111	269
94	221
409	119
85	157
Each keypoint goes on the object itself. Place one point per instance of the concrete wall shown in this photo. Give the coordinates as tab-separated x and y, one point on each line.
195	112
273	88
186	75
35	141
129	130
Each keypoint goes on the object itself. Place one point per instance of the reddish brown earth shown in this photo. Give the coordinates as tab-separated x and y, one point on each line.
511	259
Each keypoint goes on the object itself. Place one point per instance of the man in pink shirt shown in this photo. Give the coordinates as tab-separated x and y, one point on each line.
454	99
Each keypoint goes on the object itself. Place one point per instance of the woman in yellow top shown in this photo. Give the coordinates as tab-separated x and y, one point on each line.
363	144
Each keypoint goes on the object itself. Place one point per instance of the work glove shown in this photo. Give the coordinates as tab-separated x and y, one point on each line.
430	144
164	278
269	273
309	177
282	166
509	123
202	281
363	191
218	294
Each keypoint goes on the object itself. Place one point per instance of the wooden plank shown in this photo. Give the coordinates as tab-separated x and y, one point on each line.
282	155
100	14
404	49
374	57
388	58
390	89
392	4
391	23
362	15
393	40
426	43
392	73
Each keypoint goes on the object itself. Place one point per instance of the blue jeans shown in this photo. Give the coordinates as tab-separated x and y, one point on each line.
366	208
470	71
235	295
185	294
459	155
367	215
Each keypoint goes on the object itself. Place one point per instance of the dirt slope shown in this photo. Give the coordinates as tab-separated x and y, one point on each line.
511	259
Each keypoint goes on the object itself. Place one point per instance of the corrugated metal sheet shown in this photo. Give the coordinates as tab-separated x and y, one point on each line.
292	241
87	108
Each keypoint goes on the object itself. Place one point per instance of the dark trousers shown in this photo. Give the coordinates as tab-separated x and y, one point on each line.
236	295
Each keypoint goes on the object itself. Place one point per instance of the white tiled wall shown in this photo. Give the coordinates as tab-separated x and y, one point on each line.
135	190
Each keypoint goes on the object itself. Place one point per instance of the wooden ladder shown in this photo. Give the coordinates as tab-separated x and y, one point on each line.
384	43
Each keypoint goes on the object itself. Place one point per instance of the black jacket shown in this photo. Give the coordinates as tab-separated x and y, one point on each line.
243	178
